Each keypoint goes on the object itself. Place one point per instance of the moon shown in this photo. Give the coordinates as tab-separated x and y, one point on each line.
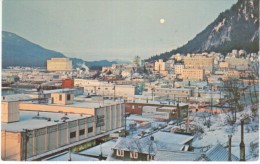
162	20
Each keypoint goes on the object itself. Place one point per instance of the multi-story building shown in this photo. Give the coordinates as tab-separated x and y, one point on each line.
173	92
193	74
106	89
236	62
59	64
223	65
159	65
169	64
31	131
178	68
199	62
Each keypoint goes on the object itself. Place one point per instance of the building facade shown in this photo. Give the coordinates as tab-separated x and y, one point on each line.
57	126
193	74
59	64
198	62
106	89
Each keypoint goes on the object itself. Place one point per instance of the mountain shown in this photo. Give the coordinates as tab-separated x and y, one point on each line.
236	28
91	64
17	51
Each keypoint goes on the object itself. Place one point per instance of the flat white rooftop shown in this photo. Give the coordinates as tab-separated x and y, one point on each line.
28	122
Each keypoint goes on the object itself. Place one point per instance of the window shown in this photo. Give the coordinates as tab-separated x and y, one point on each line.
133	107
150	157
68	97
60	97
72	135
81	132
90	129
134	155
120	153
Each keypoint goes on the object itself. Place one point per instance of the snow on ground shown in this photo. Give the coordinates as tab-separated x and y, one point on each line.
219	131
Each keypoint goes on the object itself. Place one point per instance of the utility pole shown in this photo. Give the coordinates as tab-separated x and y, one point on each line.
242	144
125	124
178	112
26	143
69	159
211	99
114	92
100	156
229	147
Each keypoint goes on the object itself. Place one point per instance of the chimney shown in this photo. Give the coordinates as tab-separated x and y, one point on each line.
242	144
229	147
152	138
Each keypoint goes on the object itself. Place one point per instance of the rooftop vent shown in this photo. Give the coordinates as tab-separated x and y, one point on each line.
40	118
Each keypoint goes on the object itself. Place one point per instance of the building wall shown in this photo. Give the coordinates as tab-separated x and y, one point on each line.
198	62
56	108
68	83
137	108
178	68
59	64
194	74
159	65
10	111
11	146
232	62
106	89
52	137
173	92
62	98
223	64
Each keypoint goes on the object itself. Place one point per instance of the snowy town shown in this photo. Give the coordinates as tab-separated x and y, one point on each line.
193	107
130	81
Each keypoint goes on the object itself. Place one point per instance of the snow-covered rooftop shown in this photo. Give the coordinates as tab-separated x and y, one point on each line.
16	97
177	156
219	153
172	138
74	157
28	122
106	149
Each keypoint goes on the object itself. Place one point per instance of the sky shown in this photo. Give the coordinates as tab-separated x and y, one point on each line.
99	29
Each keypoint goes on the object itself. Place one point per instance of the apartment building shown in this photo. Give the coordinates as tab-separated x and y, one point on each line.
199	61
59	64
236	62
193	74
178	68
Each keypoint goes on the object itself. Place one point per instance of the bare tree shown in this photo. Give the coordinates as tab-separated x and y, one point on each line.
233	88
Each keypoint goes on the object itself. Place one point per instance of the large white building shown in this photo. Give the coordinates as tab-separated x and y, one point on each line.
59	64
105	89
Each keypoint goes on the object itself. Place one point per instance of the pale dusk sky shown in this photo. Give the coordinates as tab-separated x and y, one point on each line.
99	29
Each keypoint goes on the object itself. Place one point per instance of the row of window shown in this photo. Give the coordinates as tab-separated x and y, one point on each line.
81	132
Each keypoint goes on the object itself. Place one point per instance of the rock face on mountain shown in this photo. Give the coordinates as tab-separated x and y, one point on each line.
236	28
17	51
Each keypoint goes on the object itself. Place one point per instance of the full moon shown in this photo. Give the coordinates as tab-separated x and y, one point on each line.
162	21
